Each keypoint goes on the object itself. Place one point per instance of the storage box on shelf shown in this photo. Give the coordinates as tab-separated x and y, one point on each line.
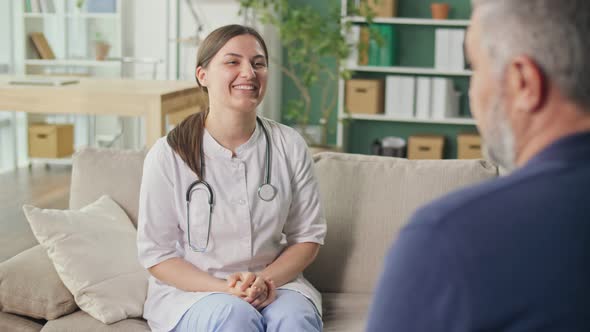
428	73
51	140
364	96
426	147
381	8
469	146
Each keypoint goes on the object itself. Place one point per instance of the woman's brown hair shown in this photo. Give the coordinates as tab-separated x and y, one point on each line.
187	137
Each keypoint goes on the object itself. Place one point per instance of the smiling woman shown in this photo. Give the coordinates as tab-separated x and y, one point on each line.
212	218
221	47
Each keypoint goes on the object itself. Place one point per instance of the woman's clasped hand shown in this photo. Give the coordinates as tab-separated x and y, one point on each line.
252	288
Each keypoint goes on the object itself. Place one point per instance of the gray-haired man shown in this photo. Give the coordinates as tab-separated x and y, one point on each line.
512	254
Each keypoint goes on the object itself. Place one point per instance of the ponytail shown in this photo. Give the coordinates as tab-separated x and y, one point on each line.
186	139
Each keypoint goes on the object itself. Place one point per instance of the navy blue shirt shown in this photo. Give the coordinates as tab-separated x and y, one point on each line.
511	254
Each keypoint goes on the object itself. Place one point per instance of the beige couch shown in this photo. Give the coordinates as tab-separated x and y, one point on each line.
367	199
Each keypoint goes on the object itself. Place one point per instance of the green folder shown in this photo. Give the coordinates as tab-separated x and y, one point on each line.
383	53
388	51
374	47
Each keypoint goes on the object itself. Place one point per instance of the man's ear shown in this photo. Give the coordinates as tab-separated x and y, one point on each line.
528	84
201	75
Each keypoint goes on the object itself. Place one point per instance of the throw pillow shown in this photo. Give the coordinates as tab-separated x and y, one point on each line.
29	286
94	253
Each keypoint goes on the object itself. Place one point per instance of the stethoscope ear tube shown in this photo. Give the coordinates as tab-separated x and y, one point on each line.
266	191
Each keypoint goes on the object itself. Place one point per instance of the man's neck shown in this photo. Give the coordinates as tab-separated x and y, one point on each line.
562	121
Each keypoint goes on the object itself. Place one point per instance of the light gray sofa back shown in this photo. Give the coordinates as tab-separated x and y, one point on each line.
366	200
117	173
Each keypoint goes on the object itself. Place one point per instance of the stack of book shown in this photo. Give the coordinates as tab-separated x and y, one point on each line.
42	46
420	97
448	49
400	94
374	45
445	100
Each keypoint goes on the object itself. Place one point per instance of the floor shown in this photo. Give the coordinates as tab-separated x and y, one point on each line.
44	187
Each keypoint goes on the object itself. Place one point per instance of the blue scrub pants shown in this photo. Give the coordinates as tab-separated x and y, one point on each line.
290	311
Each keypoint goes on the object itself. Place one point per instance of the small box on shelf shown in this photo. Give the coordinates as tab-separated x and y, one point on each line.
380	8
469	146
51	140
426	146
364	96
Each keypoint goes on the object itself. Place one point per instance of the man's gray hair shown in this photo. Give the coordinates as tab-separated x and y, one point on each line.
554	33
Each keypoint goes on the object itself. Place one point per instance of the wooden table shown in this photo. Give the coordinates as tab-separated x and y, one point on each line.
152	100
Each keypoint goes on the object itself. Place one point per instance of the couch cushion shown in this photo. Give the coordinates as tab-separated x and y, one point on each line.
14	323
82	322
345	312
116	173
366	200
29	286
94	252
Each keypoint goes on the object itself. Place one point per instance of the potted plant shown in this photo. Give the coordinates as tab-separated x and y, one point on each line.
101	47
315	46
79	5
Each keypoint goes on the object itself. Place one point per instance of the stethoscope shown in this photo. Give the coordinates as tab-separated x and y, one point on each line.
266	191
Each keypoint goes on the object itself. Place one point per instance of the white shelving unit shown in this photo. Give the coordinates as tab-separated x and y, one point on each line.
382	117
342	115
71	33
73	63
410	70
410	21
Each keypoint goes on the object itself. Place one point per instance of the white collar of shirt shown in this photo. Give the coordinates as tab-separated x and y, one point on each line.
212	148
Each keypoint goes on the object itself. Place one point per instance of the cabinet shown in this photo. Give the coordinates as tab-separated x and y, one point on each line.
72	29
415	45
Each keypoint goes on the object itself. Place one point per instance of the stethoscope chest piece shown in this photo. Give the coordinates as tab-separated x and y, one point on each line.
267	192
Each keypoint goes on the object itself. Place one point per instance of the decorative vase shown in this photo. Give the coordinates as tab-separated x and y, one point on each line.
102	49
440	10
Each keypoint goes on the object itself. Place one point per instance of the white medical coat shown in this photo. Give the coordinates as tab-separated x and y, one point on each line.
247	233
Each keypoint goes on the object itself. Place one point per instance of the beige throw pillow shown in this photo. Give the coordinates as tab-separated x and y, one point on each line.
94	253
29	286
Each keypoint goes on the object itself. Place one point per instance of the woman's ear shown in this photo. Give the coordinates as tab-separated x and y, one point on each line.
201	75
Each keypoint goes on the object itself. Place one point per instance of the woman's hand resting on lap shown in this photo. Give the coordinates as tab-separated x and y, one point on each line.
252	288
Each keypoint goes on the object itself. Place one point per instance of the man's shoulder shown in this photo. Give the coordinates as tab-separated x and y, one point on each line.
466	202
525	188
